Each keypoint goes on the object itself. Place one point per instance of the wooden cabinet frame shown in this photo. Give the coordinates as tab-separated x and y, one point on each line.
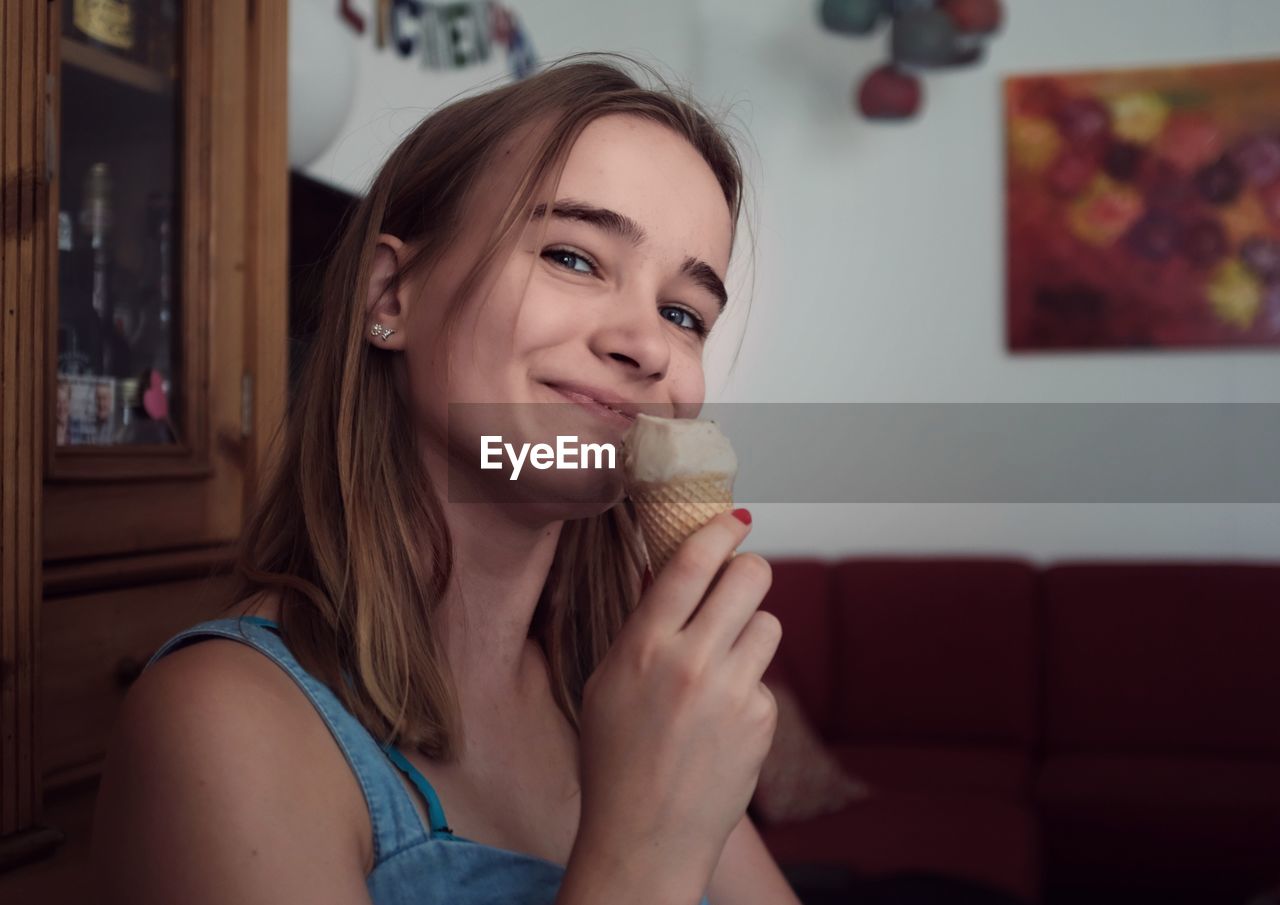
171	506
24	241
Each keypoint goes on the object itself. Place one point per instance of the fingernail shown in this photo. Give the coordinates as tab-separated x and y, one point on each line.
645	580
743	516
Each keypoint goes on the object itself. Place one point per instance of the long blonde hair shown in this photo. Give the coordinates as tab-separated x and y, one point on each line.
348	535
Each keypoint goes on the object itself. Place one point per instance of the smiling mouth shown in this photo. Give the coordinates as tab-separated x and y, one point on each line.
605	412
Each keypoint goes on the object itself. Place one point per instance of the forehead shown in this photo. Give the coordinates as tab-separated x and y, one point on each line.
656	177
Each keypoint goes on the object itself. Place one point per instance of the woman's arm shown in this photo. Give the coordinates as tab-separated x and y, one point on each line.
747	873
221	789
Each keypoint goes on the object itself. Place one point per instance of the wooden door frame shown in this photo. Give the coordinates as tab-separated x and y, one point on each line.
24	248
266	237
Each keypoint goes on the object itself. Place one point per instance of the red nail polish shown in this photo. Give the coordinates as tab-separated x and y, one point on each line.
743	516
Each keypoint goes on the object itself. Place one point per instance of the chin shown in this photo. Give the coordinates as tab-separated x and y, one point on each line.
577	493
561	503
577	490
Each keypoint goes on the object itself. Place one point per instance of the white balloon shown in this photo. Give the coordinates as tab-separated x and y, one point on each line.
322	77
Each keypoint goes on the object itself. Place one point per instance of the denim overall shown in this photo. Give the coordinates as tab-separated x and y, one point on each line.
412	864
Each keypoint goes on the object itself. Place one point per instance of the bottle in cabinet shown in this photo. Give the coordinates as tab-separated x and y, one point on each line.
96	222
80	418
137	424
76	355
93	355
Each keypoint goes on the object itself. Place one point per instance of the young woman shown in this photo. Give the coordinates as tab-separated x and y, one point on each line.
416	699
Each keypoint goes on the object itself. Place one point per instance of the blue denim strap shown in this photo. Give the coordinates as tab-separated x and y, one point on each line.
396	822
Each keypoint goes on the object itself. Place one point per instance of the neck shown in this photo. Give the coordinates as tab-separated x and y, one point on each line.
502	553
499	569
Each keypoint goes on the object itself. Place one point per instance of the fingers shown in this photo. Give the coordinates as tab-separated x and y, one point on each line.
680	586
752	653
730	605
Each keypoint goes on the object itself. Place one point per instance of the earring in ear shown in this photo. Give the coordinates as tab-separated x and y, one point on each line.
383	333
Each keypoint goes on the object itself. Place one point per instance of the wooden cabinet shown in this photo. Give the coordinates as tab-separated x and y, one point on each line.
143	332
92	647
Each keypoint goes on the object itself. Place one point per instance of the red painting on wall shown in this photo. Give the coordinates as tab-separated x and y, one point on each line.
1143	208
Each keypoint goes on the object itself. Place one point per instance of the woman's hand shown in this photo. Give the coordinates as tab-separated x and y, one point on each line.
676	721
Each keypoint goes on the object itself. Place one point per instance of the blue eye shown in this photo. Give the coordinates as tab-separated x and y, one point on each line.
694	323
560	255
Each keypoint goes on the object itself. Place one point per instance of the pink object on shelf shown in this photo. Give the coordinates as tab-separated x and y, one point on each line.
154	400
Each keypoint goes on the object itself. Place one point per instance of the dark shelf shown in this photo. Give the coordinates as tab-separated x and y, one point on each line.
107	65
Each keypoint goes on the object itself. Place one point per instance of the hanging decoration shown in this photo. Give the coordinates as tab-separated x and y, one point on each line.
924	35
445	35
322	81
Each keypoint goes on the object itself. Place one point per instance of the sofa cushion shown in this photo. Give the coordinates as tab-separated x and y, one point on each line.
935	650
800	778
1001	773
1162	820
985	840
1162	658
800	597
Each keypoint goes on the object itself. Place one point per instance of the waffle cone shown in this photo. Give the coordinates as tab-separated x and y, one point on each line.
669	512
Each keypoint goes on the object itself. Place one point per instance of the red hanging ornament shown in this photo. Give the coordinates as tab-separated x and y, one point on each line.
925	35
889	93
974	16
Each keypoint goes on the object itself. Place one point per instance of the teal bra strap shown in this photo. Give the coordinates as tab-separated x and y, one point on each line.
434	811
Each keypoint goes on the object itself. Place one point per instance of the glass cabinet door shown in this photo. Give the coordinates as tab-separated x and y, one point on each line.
119	361
162	262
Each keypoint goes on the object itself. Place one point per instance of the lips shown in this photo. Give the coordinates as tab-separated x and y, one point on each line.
600	403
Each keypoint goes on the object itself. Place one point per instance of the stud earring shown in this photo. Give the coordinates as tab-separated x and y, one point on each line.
383	333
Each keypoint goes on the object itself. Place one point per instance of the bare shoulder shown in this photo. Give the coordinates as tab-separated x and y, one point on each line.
222	784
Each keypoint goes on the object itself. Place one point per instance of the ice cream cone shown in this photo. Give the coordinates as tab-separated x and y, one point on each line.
669	512
679	476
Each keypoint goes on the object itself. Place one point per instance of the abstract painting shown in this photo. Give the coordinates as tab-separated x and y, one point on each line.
1143	208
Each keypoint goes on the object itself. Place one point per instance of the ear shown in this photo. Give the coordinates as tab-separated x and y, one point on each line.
385	295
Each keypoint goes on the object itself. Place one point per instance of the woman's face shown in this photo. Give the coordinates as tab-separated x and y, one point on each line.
611	303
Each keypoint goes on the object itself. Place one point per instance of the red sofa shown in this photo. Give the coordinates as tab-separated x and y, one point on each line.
1080	733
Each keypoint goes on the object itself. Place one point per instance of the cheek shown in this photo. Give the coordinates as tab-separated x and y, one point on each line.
482	346
688	383
422	375
548	313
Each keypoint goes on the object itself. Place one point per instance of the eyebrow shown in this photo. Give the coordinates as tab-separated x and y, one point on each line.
702	273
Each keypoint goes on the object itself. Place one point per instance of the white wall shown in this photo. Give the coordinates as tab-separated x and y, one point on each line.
879	248
392	93
880	265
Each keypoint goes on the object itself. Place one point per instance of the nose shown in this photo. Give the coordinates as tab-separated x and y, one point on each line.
633	335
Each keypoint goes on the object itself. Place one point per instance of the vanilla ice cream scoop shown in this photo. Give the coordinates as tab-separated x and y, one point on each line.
679	474
664	449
